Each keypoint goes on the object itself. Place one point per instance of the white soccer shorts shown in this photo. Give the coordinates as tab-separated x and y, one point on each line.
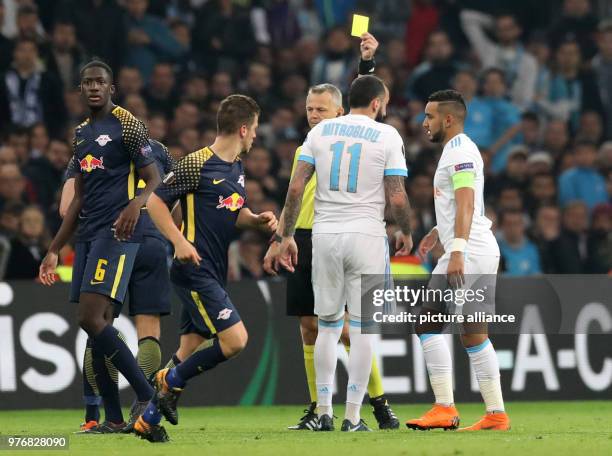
338	262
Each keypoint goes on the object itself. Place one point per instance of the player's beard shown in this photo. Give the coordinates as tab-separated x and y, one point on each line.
379	116
438	136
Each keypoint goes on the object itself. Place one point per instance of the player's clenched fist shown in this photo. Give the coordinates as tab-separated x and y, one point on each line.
46	272
368	46
185	252
427	243
268	221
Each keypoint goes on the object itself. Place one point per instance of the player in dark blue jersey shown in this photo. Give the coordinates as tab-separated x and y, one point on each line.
210	186
109	148
148	292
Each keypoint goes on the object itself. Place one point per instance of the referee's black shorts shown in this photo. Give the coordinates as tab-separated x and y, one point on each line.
300	297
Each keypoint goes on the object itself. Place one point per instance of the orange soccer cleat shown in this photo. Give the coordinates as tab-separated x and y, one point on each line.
87	426
438	417
490	422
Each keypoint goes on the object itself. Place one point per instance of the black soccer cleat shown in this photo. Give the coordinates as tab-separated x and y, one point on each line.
309	422
154	433
347	426
382	412
106	427
166	397
138	408
326	423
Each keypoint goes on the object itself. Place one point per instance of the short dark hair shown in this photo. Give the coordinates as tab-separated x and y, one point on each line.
97	63
365	89
581	142
530	116
450	98
235	111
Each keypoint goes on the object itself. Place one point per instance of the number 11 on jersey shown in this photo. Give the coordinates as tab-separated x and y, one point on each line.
334	178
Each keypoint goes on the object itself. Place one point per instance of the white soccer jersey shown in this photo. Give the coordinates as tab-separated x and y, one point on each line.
351	155
461	154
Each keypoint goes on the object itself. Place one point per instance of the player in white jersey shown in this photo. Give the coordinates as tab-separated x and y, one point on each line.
471	253
359	162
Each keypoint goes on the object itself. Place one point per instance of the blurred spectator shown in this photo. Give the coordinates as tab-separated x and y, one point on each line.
539	162
158	127
570	249
29	246
149	39
66	57
29	26
545	232
556	138
336	63
10	215
258	85
251	250
515	174
599	259
257	166
510	199
578	23
39	140
479	122
19	140
282	24
7	156
29	95
129	82
530	131
519	66
583	182
336	13
14	188
47	171
521	257
161	92
602	66
424	19
591	127
222	36
136	105
100	27
571	90
6	45
542	192
506	118
438	69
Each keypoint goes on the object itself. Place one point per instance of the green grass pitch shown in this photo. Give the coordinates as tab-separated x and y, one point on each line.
538	428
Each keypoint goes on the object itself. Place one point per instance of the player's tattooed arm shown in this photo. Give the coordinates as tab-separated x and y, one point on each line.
303	173
397	199
395	191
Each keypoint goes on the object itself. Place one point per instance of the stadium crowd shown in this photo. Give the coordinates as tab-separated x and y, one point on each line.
536	77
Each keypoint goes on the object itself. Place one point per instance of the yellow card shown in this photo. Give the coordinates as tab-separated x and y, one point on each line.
360	25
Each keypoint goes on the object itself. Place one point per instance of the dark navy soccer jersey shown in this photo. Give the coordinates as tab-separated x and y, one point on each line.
165	164
107	153
212	193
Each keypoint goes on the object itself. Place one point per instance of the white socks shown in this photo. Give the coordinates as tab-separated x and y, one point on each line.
359	366
486	367
439	366
325	360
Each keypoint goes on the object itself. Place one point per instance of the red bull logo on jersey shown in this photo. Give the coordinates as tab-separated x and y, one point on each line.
89	163
232	202
103	140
